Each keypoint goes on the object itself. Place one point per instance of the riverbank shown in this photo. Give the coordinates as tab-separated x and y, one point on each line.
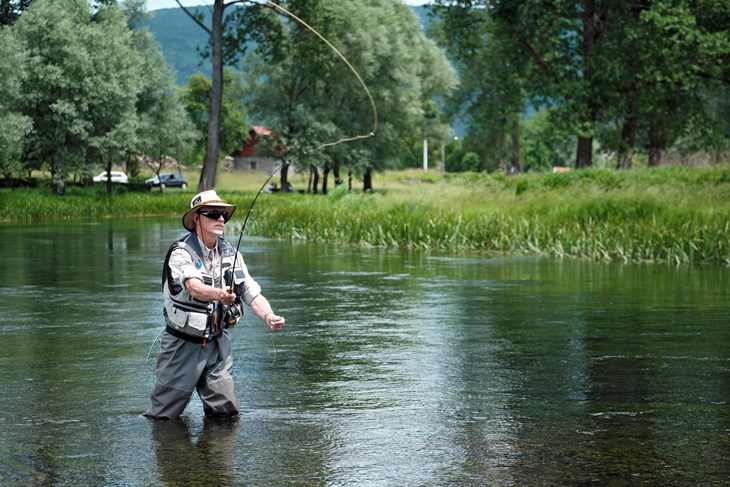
670	214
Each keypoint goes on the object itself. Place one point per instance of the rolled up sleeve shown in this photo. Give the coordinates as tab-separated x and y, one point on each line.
182	267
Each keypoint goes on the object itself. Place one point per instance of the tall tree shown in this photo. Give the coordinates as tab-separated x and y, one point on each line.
164	130
307	94
14	126
685	54
631	73
491	96
215	32
82	85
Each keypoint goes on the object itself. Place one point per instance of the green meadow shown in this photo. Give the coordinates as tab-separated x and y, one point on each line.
677	215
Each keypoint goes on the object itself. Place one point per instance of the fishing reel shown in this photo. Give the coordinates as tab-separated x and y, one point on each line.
232	314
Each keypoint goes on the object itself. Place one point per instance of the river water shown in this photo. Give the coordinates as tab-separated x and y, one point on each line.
395	368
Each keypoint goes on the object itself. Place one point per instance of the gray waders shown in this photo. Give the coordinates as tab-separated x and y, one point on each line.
184	366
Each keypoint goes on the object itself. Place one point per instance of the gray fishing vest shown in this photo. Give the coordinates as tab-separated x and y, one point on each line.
183	312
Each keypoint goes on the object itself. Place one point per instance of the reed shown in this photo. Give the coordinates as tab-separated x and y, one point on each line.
675	214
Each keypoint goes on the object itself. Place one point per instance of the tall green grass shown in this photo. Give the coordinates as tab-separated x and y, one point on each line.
674	214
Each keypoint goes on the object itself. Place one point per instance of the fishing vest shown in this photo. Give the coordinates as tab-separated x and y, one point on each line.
182	312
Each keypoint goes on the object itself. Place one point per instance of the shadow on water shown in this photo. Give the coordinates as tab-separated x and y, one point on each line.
395	368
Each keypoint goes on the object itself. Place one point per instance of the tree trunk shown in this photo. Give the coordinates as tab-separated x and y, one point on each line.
336	173
314	174
367	184
516	159
626	145
285	178
584	153
501	158
58	183
109	179
325	175
657	145
210	163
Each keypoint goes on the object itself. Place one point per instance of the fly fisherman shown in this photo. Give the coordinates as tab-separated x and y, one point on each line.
201	302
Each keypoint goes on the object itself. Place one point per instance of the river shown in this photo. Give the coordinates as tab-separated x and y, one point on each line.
395	368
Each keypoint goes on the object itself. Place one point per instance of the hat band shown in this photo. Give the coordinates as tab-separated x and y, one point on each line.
203	203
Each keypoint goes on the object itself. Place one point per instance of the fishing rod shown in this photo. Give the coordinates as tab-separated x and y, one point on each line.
230	280
284	164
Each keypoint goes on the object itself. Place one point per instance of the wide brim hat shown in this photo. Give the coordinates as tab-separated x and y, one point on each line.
205	200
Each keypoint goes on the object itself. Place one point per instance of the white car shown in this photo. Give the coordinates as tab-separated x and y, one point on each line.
117	177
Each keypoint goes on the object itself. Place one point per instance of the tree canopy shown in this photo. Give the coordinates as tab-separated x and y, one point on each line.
633	75
90	84
309	97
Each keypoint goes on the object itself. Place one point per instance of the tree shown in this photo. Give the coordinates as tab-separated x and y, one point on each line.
164	130
491	96
633	74
233	127
311	98
684	54
212	147
114	82
14	126
81	87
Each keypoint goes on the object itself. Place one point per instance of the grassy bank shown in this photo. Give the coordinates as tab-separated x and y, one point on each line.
674	214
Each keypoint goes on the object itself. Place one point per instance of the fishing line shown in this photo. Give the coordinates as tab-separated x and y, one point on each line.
324	145
153	352
352	69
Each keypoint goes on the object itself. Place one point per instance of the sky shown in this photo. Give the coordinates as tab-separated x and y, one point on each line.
158	4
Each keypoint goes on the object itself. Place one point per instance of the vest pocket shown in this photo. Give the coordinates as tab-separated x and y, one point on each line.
193	323
196	324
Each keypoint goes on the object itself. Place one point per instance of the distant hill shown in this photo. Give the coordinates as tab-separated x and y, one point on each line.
181	40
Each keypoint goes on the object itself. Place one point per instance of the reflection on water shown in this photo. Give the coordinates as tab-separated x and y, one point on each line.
394	369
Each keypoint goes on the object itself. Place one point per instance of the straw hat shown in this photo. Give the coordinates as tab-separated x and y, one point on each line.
205	200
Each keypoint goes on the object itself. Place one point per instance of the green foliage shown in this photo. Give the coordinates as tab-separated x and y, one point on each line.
164	130
543	145
310	97
490	96
233	127
14	126
90	86
677	215
632	76
81	87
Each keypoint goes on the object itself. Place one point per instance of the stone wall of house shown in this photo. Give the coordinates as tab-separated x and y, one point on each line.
263	164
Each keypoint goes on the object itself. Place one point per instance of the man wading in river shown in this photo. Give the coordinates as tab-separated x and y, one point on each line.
203	298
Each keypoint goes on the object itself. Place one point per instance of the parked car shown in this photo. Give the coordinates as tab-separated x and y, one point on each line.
117	177
168	180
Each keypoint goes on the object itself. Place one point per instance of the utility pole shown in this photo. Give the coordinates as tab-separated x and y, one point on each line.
425	153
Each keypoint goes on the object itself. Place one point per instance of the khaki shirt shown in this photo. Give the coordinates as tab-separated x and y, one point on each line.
183	268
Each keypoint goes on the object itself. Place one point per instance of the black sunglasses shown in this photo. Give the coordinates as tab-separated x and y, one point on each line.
214	214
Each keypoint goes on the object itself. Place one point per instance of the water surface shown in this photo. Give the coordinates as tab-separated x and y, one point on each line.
395	368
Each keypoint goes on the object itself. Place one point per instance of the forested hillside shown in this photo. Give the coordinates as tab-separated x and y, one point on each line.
181	40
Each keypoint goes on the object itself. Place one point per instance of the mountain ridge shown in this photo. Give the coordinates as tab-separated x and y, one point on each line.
180	39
